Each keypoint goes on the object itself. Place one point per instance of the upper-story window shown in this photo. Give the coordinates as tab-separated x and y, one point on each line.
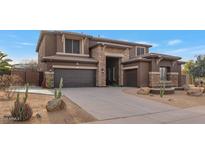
140	51
72	46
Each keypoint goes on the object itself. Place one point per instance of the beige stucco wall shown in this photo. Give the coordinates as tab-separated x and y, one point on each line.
59	42
143	74
41	53
51	65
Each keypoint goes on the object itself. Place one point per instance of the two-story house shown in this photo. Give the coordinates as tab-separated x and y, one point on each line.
85	61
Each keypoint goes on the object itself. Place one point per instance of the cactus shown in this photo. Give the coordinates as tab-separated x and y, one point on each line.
21	110
26	93
162	90
58	92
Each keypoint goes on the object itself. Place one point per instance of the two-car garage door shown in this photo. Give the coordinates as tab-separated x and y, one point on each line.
75	77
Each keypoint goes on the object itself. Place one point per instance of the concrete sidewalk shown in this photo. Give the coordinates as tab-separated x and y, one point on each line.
35	90
193	115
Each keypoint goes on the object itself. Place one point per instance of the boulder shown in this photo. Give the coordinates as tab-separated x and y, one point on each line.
144	91
195	92
188	87
55	104
38	115
171	100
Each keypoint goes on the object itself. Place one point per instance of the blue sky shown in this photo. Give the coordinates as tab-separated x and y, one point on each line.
20	45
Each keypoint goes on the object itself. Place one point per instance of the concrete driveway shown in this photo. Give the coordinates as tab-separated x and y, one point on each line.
112	103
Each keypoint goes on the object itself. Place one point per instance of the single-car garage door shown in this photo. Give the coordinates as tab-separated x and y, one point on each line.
130	78
75	77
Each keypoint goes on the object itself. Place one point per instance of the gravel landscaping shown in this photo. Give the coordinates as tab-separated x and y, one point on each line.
179	98
71	115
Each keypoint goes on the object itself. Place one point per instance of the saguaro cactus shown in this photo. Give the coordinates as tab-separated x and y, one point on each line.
58	92
26	93
162	89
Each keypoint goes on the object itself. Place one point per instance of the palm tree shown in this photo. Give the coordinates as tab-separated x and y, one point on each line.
5	66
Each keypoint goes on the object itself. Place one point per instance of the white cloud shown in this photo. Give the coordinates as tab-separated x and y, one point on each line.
174	42
186	53
2	49
26	43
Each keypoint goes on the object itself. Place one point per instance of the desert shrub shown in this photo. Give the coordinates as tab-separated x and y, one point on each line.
9	80
21	110
49	83
8	83
199	82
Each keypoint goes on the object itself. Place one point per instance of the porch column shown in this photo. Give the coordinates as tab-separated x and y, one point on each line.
99	54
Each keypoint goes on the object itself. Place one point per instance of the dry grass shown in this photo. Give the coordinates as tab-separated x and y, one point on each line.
179	99
71	115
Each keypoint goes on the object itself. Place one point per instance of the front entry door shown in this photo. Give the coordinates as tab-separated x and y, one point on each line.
111	75
112	71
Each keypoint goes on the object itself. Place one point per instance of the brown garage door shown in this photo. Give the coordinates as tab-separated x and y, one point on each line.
130	78
75	78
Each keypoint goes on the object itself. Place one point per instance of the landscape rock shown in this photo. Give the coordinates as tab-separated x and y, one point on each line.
194	92
55	104
170	100
151	95
144	91
188	87
38	116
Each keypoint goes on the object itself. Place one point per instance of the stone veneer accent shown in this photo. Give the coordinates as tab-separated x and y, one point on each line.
99	53
173	76
49	77
154	79
101	70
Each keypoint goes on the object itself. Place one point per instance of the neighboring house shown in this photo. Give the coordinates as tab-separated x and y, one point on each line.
84	61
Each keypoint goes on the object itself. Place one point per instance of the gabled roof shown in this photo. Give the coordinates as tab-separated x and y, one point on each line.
42	33
147	57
